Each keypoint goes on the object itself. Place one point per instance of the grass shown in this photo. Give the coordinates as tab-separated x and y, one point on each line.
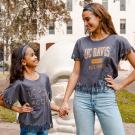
5	74
126	103
7	115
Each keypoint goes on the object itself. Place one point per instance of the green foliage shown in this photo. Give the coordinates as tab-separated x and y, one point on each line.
7	115
126	103
5	74
22	20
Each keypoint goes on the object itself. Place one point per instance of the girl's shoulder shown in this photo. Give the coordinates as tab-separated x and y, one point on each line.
16	82
14	86
44	75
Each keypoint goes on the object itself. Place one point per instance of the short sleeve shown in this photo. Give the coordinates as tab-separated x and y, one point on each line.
48	88
124	48
76	52
11	93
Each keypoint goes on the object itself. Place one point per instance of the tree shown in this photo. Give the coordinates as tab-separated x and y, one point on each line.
24	19
85	2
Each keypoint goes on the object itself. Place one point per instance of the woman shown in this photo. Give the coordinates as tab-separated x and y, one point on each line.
96	66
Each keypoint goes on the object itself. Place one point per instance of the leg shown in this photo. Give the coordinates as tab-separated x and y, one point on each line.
83	113
34	133
45	132
108	113
24	132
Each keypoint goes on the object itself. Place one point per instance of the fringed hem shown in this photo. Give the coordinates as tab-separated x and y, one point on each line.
36	128
99	86
124	54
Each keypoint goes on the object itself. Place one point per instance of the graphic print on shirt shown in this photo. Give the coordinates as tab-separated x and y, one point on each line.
96	56
37	96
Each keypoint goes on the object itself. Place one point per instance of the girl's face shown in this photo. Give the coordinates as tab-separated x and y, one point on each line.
30	59
91	21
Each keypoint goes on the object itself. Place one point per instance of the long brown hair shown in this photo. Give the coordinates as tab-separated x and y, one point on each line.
17	69
98	10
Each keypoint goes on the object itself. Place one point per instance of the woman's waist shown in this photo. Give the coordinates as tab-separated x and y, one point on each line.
91	84
98	86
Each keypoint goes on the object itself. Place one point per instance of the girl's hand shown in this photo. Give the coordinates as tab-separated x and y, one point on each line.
54	107
112	83
64	110
25	108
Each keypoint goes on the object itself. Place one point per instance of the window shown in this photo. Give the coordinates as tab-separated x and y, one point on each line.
51	28
122	5
105	4
122	26
69	27
69	5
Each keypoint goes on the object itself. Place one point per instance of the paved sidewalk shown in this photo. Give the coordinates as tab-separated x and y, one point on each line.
7	128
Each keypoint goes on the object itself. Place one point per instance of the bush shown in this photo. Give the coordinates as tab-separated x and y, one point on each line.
5	65
1	63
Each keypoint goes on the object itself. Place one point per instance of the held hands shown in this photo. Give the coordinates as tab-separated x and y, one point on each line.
64	110
112	83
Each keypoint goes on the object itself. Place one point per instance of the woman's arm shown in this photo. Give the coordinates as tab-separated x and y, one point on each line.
126	81
72	81
129	79
70	87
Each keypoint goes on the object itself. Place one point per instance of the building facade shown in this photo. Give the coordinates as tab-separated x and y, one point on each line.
120	10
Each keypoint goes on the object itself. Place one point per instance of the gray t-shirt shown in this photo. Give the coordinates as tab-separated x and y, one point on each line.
99	59
38	94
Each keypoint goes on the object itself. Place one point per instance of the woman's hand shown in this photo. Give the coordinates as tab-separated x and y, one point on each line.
112	83
64	109
23	109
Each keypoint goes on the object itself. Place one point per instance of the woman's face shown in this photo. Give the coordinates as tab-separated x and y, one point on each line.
91	21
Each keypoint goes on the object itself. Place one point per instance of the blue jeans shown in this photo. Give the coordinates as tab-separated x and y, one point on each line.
86	105
25	132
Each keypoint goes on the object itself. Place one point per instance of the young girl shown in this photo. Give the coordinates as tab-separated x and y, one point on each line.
96	59
32	90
